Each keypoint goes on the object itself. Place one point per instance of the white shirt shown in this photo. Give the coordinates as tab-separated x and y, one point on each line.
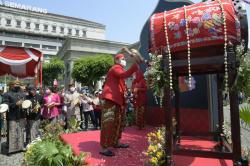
86	102
71	97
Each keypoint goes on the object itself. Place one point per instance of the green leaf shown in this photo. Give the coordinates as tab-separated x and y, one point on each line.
245	114
58	160
52	70
89	69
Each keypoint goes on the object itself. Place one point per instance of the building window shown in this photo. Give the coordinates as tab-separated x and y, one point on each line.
69	31
37	26
62	30
53	28
8	22
18	24
31	45
47	47
27	25
11	43
83	33
77	32
45	28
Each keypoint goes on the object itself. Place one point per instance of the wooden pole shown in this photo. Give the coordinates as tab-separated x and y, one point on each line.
234	108
177	107
168	117
220	108
41	72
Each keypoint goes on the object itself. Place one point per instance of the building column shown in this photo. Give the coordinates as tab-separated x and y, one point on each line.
71	70
68	71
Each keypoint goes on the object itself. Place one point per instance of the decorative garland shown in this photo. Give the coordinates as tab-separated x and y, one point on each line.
152	32
169	52
225	44
188	49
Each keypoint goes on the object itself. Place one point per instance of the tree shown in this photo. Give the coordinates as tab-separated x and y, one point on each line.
52	70
243	78
89	69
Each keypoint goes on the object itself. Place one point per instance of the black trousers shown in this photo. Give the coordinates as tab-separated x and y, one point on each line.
98	116
86	119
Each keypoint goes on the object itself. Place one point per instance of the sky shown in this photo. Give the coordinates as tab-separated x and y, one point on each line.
124	19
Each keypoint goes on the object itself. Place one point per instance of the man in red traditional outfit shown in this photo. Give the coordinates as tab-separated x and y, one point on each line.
139	89
113	103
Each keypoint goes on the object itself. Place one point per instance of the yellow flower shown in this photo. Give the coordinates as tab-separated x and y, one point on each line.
150	148
154	160
159	154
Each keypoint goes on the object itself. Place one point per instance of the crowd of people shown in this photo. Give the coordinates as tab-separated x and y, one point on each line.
107	108
21	122
28	107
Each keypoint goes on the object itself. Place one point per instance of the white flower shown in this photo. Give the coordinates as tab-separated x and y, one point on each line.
159	145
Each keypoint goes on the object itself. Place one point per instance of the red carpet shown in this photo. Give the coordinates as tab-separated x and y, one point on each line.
191	120
89	142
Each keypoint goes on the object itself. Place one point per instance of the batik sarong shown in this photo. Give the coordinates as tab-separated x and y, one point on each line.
139	116
112	122
3	124
32	130
15	135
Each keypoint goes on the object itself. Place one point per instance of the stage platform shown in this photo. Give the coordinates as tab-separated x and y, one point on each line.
90	142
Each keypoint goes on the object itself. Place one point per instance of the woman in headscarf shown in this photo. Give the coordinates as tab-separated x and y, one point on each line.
52	103
139	89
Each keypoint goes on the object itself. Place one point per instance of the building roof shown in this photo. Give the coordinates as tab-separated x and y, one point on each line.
48	16
104	46
75	18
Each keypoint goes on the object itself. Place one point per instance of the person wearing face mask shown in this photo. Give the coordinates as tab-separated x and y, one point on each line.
15	117
139	89
33	114
112	104
72	101
51	105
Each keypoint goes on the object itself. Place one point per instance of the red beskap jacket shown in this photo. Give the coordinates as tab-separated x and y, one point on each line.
114	87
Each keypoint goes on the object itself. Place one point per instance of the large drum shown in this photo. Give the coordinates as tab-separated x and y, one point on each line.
205	22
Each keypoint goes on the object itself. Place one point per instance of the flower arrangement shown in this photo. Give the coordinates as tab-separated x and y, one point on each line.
156	77
155	150
246	153
227	131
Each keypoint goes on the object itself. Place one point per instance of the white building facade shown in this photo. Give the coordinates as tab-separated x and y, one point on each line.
42	30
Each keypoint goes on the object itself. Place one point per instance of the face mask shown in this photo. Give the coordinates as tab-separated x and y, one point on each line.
47	91
17	88
134	77
72	89
123	62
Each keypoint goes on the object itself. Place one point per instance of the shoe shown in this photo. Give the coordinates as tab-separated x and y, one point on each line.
121	146
107	153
